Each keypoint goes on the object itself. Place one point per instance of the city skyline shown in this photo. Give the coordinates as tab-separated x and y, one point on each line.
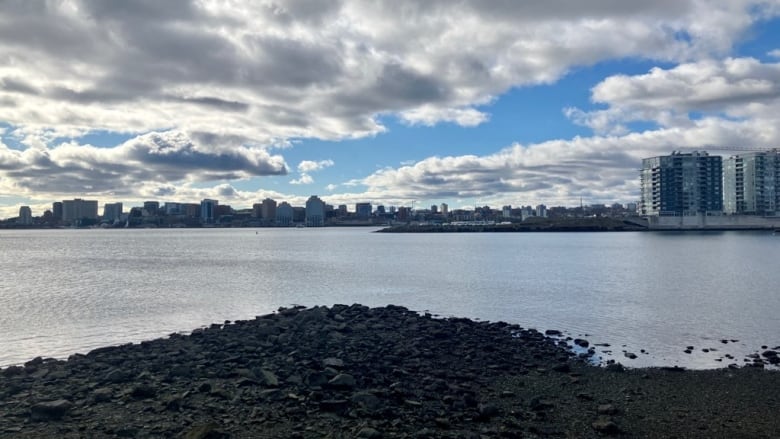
389	103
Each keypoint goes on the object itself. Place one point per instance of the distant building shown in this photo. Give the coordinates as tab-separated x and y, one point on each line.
506	212
174	208
434	209
208	210
315	212
682	184
268	209
526	212
380	210
444	209
750	183
152	207
363	210
78	210
541	211
284	214
25	216
631	207
56	210
112	212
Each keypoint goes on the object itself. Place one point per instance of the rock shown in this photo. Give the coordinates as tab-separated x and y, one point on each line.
615	367
581	342
143	391
605	425
563	367
369	433
487	411
103	394
13	371
50	410
367	400
630	355
334	405
342	381
538	403
267	378
333	362
207	431
553	333
606	409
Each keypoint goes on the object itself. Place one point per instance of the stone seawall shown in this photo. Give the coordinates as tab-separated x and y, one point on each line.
354	371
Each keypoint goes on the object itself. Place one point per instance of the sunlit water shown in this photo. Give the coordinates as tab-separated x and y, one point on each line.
68	291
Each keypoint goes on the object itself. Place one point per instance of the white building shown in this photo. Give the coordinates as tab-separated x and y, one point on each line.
750	183
541	211
78	209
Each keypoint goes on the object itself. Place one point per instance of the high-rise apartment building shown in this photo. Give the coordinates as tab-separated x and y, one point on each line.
208	210
750	183
682	184
363	210
112	212
25	216
315	212
78	209
268	210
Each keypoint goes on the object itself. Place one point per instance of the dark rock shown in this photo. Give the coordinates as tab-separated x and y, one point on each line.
342	381
538	403
50	410
615	367
334	405
581	342
207	431
605	425
563	367
333	362
488	411
606	409
553	333
630	355
267	378
102	394
367	400
368	433
143	391
13	371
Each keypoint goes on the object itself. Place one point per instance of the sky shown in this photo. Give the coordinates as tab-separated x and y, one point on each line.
395	102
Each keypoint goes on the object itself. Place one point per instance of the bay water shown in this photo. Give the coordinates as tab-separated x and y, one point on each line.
70	291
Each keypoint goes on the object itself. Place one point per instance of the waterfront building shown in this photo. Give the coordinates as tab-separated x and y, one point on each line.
208	210
444	209
174	208
363	210
750	183
56	210
541	211
77	209
315	212
268	209
506	212
152	207
284	214
341	210
112	212
25	216
682	184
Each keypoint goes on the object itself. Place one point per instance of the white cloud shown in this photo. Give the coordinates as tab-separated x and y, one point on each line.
774	53
304	179
307	166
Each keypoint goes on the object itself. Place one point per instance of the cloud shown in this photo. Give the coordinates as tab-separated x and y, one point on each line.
600	169
306	167
294	70
310	166
154	159
735	88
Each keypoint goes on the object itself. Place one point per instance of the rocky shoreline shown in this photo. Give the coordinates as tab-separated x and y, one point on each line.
353	371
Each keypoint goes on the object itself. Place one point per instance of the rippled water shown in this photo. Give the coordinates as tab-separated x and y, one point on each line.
67	291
